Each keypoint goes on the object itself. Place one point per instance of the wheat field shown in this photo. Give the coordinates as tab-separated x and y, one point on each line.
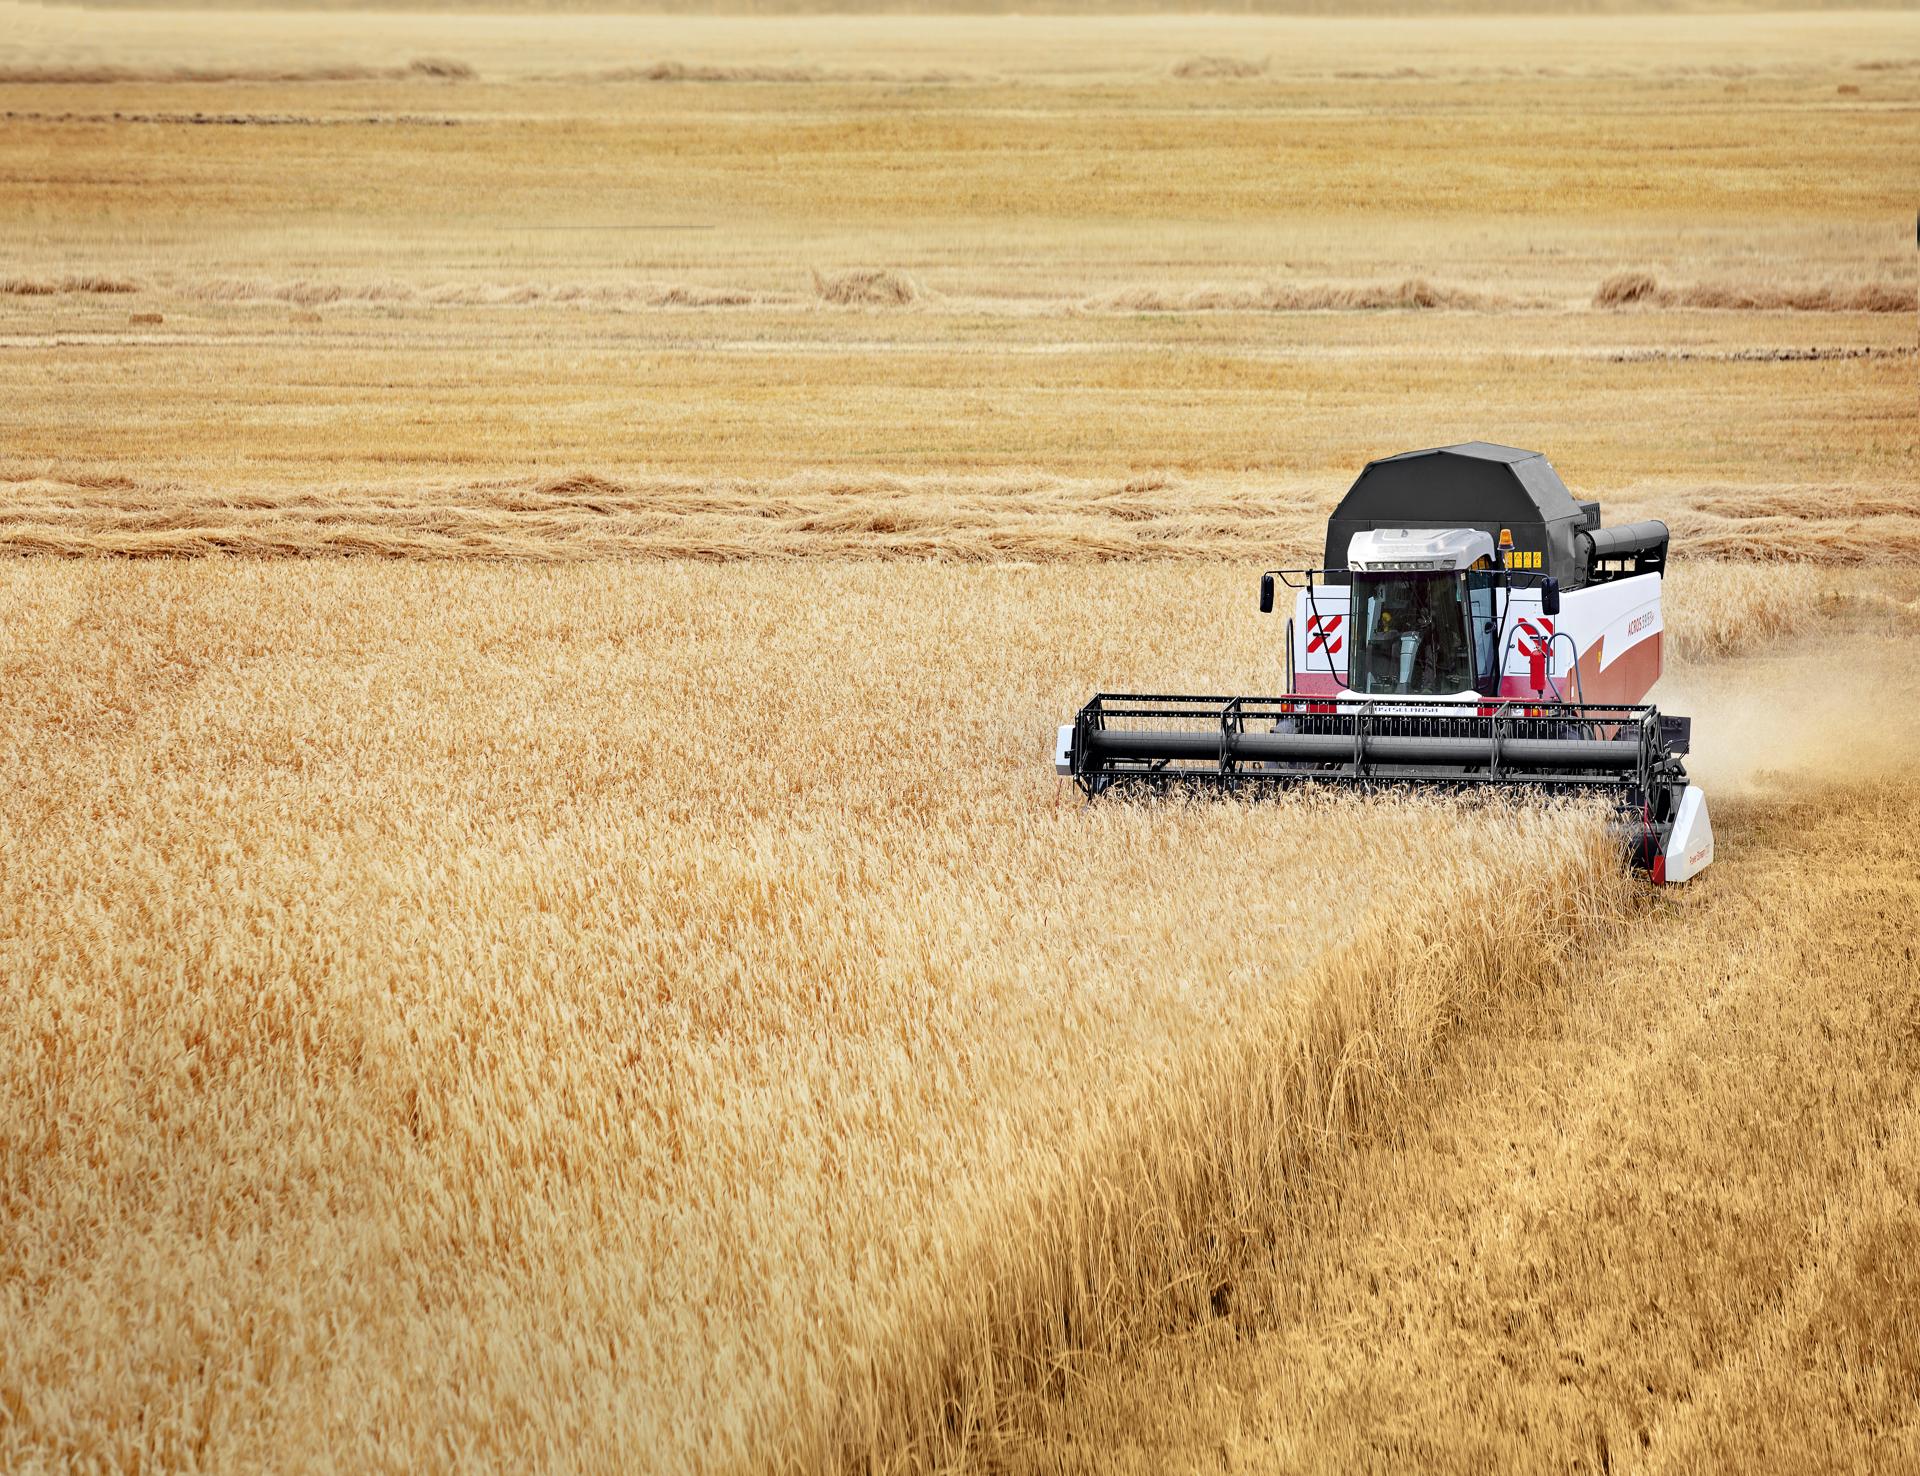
680	1020
540	556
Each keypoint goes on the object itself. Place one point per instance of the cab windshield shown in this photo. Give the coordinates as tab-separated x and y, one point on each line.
1412	634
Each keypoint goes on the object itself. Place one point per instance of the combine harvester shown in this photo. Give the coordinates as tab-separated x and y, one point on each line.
1474	626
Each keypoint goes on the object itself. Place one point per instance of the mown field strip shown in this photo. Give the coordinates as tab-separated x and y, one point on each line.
1652	1221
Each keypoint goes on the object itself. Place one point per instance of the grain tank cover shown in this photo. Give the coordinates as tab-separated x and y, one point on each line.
1473	485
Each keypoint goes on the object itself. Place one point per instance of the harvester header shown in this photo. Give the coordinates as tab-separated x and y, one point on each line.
1474	625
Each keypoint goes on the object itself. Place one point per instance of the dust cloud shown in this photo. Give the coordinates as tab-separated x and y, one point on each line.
1841	708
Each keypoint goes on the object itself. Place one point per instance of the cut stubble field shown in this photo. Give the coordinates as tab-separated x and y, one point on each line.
539	930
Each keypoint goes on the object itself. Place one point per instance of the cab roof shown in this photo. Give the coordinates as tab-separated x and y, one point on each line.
1475	484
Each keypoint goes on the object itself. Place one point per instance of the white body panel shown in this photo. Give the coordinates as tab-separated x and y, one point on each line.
1320	634
1063	750
1582	646
1603	623
1690	847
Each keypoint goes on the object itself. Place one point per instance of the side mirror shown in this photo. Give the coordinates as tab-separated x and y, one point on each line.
1549	596
1266	594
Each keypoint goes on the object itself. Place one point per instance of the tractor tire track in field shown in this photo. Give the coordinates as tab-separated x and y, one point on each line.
1663	1221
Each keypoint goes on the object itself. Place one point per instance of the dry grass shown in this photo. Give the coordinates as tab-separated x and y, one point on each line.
1034	518
681	71
1083	267
881	287
875	394
887	288
1220	68
867	287
817	991
1712	611
71	282
1414	292
1809	524
1629	289
437	68
602	295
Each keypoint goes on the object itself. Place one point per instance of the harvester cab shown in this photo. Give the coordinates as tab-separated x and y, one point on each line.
1472	625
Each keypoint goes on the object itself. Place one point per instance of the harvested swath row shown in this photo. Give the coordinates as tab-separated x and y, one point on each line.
1813	355
969	520
1643	289
617	1084
868	287
1014	517
306	292
232	120
54	74
1795	524
72	282
680	71
1714	608
859	287
1220	68
887	287
1414	292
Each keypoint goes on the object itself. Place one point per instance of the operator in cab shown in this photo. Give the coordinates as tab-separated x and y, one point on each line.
1413	633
